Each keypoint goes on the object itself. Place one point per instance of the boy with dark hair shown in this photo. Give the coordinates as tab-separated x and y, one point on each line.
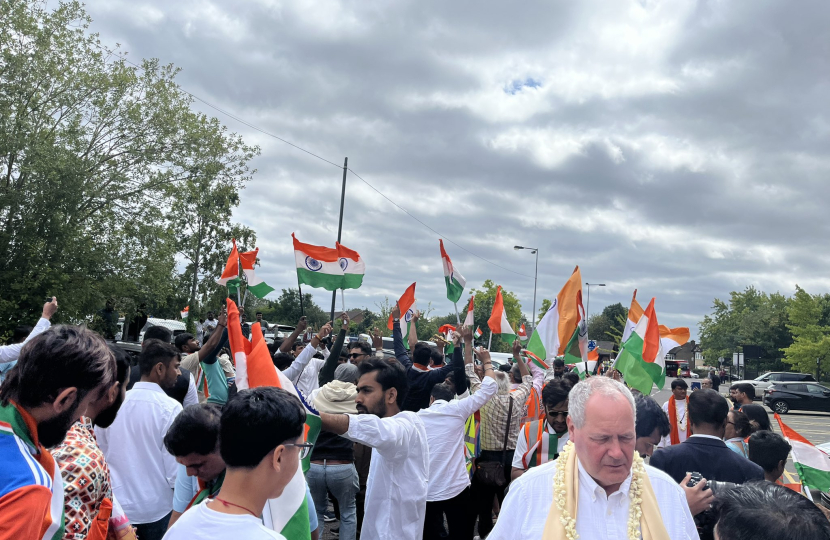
741	394
397	486
652	424
260	435
193	440
765	511
59	374
677	410
769	450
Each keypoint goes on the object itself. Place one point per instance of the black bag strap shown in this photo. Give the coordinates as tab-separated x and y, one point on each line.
507	431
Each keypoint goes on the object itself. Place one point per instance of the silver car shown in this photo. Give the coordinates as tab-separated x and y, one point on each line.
762	382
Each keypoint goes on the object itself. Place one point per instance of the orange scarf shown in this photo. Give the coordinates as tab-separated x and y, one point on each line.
675	433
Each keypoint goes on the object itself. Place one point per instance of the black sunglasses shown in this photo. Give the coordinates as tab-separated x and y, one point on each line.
357	355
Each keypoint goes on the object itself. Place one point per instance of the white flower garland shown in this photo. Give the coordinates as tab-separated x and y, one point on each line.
560	491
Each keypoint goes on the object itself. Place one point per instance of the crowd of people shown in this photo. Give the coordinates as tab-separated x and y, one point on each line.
426	441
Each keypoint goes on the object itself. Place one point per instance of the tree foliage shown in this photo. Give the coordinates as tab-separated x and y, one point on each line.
94	154
608	324
485	298
751	317
809	324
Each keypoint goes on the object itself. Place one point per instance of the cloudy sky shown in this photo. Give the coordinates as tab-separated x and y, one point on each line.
679	147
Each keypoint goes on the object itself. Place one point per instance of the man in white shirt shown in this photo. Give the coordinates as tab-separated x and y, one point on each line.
143	472
260	441
305	369
10	353
449	483
676	408
600	460
396	491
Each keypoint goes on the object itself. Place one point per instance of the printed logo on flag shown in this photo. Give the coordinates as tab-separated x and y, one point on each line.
553	305
313	264
408	316
343	263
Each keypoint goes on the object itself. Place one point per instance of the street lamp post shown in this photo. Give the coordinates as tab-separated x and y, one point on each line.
535	281
588	298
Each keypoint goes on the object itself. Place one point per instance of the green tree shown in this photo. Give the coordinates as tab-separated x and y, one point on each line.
485	298
93	152
810	330
286	309
609	323
751	317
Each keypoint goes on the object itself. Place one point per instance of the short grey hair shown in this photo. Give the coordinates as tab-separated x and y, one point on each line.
606	386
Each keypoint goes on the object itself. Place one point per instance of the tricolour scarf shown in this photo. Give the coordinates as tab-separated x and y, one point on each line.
675	433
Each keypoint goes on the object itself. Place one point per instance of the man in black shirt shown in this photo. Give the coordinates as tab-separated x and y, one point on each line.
421	378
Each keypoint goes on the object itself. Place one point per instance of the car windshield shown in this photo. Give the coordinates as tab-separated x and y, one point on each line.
761	377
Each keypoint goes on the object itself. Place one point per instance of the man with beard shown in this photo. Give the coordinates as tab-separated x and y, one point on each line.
143	472
396	490
89	502
58	375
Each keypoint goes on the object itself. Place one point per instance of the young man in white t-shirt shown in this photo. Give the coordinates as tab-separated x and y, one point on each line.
260	441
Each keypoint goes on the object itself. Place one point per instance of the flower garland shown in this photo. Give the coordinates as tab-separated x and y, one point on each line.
560	491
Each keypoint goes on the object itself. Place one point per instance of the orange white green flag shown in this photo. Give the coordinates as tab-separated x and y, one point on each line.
811	464
231	270
522	333
328	268
563	331
453	278
634	314
641	359
671	338
469	319
407	305
288	513
256	286
498	320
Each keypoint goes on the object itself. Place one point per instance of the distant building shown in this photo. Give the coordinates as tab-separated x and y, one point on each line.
690	353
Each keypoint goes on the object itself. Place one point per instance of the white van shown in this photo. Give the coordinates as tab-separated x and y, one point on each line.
177	327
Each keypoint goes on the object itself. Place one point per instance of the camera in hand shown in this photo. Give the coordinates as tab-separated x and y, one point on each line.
705	521
714	485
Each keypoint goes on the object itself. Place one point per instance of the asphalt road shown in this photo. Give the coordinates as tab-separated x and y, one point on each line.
813	426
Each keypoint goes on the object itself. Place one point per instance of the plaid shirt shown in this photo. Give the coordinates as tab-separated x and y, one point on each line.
494	413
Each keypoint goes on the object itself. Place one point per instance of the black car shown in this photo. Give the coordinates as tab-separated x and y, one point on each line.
803	396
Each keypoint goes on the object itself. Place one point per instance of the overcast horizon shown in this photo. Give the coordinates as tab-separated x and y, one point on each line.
679	148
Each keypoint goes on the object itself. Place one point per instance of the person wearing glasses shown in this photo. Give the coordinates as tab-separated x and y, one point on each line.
541	441
260	434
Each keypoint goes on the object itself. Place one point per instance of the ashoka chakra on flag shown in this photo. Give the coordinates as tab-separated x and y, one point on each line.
328	268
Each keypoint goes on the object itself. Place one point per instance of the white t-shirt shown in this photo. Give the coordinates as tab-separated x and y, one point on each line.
202	523
680	409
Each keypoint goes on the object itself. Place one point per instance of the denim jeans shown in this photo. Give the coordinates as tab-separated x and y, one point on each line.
341	481
152	531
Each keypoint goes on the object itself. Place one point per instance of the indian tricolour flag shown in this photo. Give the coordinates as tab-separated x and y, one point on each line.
641	358
536	360
811	464
406	303
231	270
288	513
634	314
469	319
563	331
328	268
447	331
498	320
256	286
522	333
185	312
455	281
671	338
478	333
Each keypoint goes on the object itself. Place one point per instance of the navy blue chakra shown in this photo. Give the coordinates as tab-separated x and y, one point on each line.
313	264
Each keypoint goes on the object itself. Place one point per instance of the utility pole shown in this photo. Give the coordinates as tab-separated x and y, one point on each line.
340	229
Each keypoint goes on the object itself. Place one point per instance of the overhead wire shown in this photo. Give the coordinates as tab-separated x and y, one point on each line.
289	143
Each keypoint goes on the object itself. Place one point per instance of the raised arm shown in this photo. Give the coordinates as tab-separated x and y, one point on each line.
467	334
531	368
10	353
217	383
298	365
397	338
327	373
336	423
413	330
288	342
211	346
517	356
459	378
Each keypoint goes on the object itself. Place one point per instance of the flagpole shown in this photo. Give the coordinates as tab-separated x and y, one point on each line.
343	299
300	288
340	227
457	316
490	341
239	289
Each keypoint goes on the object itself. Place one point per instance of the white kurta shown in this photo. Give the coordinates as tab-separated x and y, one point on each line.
665	442
598	516
396	491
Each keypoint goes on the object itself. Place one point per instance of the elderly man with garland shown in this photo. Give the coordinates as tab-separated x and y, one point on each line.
599	486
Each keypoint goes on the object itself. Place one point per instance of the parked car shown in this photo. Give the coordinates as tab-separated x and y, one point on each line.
802	396
177	327
762	382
